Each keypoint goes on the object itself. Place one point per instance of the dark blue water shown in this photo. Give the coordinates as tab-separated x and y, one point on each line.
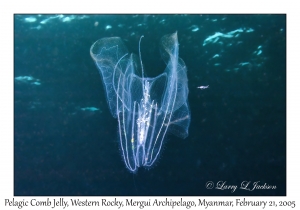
66	141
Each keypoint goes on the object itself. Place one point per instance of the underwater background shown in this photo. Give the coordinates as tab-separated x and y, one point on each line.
66	141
